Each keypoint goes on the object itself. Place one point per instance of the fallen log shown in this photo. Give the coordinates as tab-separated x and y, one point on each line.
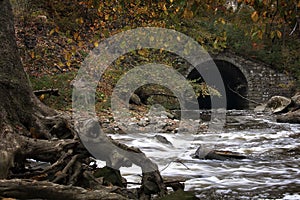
31	189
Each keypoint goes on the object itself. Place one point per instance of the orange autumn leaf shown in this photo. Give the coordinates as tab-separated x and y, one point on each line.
187	14
76	35
260	34
68	64
254	16
42	97
32	55
106	17
279	34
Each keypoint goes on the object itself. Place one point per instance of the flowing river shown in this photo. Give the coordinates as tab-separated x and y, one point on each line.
270	171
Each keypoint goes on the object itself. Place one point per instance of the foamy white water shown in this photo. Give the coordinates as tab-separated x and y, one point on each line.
272	169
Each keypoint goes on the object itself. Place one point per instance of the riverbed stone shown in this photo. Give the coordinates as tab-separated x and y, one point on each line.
135	99
275	105
162	139
296	100
180	195
211	154
292	117
110	176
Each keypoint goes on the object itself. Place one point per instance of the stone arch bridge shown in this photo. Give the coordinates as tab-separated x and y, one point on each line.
247	82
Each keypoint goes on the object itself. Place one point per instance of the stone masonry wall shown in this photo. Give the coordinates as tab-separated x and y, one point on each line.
263	82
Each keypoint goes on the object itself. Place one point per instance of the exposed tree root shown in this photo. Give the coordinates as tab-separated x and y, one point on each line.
30	189
67	162
41	146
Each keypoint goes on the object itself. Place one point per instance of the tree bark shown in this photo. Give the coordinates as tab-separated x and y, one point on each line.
30	130
16	105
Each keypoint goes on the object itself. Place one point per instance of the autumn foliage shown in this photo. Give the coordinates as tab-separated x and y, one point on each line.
256	28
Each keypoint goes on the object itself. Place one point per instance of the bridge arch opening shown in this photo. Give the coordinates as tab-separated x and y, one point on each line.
235	82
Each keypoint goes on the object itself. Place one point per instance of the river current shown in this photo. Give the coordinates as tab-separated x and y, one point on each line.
270	171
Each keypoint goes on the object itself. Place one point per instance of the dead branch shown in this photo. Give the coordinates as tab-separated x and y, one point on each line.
64	172
53	92
235	92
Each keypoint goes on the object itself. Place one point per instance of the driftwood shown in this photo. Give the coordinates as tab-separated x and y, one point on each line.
31	189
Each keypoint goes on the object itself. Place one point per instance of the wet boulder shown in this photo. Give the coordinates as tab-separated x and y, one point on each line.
292	117
288	108
277	104
135	99
163	139
296	100
210	154
110	176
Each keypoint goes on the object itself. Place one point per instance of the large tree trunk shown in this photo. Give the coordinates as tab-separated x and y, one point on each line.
30	130
20	110
16	103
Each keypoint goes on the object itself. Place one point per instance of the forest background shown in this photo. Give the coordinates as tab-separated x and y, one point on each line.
54	37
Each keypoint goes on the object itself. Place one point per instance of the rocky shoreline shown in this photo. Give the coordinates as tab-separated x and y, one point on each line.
287	110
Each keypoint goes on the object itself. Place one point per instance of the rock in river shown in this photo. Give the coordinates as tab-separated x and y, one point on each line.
276	104
292	117
296	100
162	139
205	153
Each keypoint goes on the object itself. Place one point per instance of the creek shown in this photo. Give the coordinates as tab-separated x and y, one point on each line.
270	171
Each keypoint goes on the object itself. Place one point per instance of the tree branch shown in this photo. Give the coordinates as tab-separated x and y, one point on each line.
235	92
